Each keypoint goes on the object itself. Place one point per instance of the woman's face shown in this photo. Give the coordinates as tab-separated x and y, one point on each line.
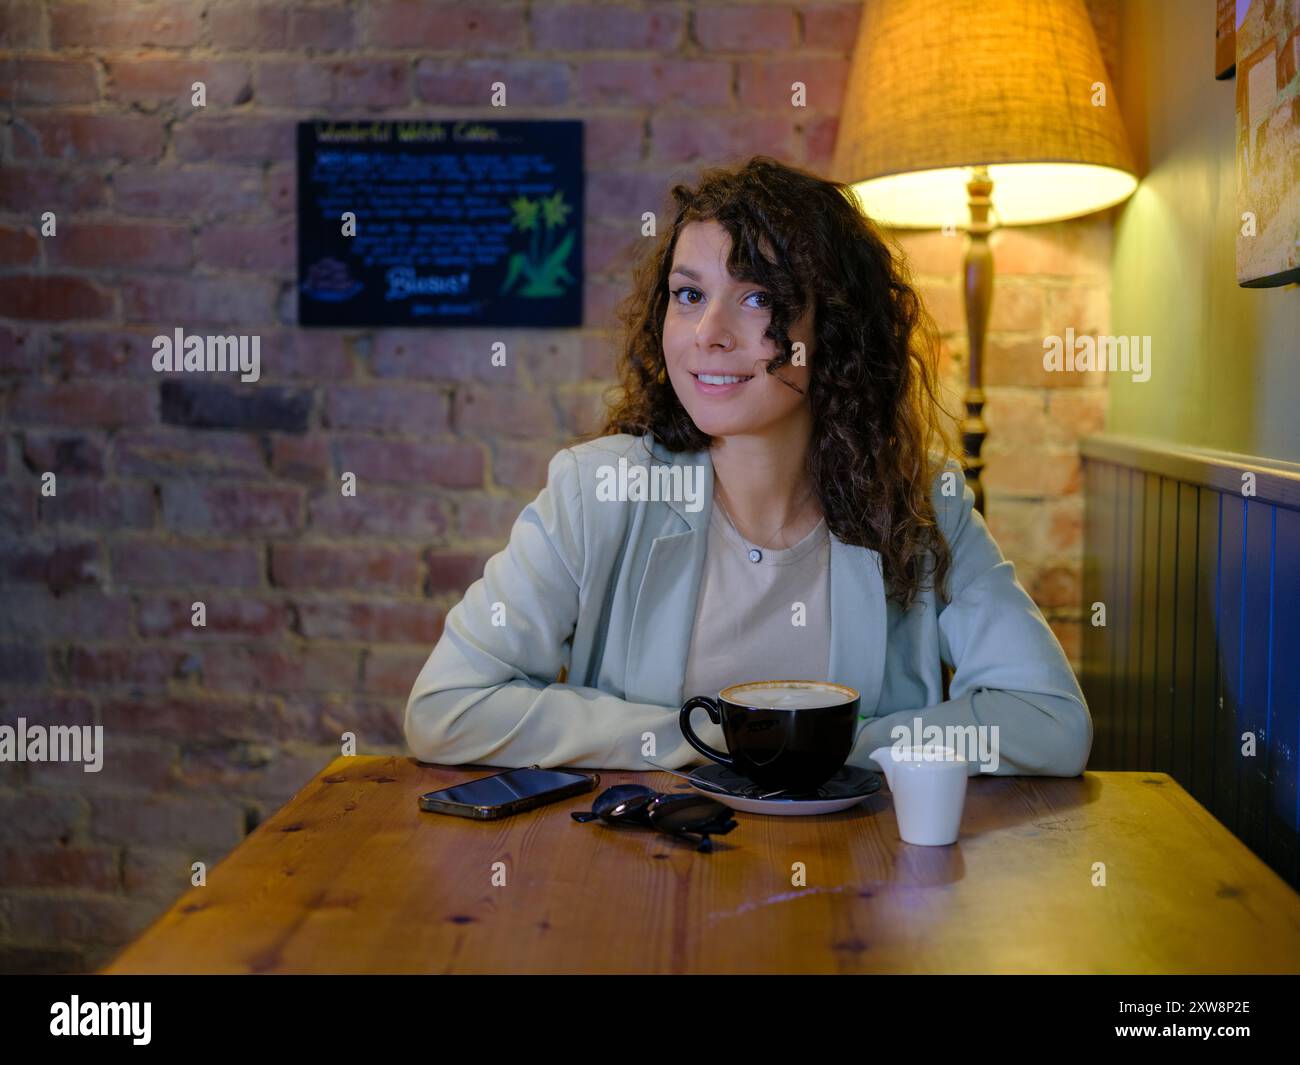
714	325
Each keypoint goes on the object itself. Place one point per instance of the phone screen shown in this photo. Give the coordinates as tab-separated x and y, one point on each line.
507	787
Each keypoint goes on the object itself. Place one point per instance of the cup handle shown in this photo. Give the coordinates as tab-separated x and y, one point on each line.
715	715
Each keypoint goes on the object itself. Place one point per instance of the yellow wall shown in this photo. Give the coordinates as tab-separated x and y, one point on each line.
1225	360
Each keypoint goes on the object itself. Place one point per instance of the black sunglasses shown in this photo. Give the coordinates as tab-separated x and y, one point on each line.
677	813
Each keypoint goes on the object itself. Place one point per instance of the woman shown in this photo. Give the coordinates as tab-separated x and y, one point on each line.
778	364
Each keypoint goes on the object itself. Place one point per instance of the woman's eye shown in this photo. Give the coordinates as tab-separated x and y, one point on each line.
676	293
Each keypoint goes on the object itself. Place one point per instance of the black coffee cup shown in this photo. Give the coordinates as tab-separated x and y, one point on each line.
788	734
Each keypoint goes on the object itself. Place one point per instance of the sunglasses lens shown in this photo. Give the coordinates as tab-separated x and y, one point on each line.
677	813
622	802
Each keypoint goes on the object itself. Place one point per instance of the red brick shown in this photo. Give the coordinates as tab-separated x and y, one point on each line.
17	246
611	140
74	354
392	672
20	665
125	24
457	465
234	140
387	408
378	512
249	246
370	83
99	506
831	27
307	353
21	26
819	134
1075	249
42	187
192	506
603	28
121	246
484	517
1019	362
656	82
152	81
931	251
158	874
21	349
326	28
379	621
279	669
446	355
687	137
103	405
1076	413
622	196
168	452
453	571
581	411
236	27
462	28
34	611
301	458
215	718
201	301
747	28
48	82
530	82
57	866
293	83
766	84
1044	472
127	766
151	564
519	465
373	720
600	301
68	452
1069	633
1084	308
335	568
58	566
201	821
137	666
224	617
80	915
509	412
53	298
43	817
191	192
88	137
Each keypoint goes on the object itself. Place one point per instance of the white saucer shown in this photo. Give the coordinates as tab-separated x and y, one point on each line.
846	788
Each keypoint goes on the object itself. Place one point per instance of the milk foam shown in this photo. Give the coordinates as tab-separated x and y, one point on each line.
788	696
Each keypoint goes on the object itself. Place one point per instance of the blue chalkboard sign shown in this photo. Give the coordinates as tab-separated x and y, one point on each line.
440	223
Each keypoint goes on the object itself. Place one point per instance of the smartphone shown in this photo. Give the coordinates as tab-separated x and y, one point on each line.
503	794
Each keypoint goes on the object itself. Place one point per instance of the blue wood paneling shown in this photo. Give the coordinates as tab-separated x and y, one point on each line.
1200	649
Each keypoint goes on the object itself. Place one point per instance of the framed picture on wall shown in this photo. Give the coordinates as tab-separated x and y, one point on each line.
1268	142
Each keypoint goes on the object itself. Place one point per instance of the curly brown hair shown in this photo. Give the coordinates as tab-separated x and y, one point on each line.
880	432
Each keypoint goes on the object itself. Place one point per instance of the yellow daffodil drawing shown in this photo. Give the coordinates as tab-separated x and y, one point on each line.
543	268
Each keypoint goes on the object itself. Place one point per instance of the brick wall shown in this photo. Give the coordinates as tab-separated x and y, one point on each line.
320	609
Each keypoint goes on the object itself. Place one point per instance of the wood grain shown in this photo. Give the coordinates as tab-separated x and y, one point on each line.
351	877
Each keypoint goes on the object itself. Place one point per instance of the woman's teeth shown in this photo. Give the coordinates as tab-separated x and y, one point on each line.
710	379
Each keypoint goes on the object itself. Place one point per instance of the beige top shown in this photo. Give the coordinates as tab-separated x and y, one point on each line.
748	621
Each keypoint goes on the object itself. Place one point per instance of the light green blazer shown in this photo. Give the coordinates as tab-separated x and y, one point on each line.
609	588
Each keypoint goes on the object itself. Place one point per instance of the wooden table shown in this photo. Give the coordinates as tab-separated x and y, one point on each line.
350	876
